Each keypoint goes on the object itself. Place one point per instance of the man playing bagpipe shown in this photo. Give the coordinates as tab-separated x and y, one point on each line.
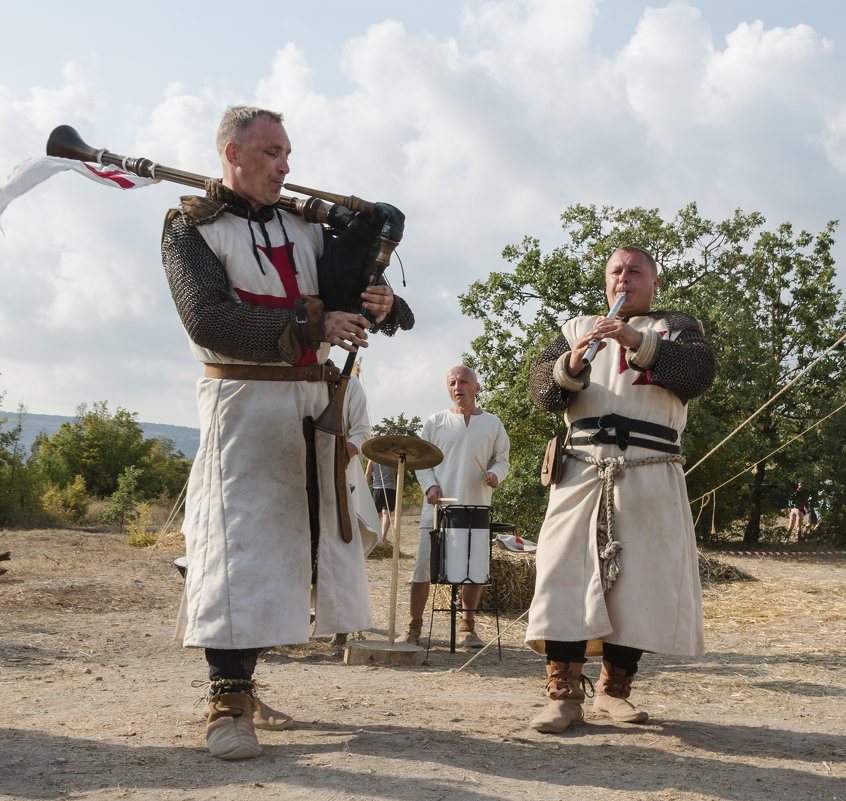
266	514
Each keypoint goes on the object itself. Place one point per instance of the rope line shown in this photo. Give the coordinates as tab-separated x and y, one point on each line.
760	409
764	458
782	553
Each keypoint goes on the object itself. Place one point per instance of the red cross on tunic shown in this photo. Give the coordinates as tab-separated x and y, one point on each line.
643	379
282	262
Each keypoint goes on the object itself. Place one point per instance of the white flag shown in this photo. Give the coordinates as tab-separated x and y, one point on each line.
32	172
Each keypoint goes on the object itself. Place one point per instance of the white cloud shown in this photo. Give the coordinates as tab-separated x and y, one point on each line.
482	135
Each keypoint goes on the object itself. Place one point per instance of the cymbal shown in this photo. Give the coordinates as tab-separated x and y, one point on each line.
387	450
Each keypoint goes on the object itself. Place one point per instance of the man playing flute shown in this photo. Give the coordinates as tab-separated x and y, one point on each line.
617	559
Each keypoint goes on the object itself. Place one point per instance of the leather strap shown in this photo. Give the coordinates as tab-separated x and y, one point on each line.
341	488
629	423
258	372
603	437
621	436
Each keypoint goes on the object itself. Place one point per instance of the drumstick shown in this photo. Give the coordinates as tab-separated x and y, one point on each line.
484	472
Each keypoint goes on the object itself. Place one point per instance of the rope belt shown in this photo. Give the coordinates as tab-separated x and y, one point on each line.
609	548
623	427
257	372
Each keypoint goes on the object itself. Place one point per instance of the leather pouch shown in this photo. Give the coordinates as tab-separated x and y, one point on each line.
553	462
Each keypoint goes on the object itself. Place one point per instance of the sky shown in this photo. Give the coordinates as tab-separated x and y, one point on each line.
482	121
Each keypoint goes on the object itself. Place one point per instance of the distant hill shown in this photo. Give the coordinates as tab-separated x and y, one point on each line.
185	439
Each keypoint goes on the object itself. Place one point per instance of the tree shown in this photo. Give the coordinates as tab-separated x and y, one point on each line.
98	446
766	300
403	427
398	426
123	502
21	486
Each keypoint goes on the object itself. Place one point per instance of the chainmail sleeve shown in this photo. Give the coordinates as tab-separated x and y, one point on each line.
400	317
685	366
210	316
545	392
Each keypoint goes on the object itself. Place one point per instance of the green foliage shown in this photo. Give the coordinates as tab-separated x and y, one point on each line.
63	507
138	527
50	486
122	506
767	302
21	484
399	426
98	446
75	500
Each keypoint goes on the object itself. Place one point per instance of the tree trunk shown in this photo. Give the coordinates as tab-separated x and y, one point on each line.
753	525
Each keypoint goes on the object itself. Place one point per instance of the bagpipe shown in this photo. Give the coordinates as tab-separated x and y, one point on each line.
372	232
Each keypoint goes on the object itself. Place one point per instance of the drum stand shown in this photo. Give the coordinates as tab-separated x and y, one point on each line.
404	452
454	609
455	600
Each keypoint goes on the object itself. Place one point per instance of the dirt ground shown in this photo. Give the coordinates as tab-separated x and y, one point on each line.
97	700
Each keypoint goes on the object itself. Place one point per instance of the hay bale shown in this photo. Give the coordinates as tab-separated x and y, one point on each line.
514	574
712	570
382	550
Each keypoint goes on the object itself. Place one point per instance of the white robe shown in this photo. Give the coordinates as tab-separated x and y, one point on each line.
357	420
458	475
656	602
246	524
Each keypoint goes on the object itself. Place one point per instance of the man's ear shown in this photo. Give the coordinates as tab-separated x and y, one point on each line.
231	153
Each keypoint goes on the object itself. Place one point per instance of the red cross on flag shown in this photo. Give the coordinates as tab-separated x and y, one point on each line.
32	172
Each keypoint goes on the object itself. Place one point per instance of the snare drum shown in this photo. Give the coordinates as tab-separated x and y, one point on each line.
461	545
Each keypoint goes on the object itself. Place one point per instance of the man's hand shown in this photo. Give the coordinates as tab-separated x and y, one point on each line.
492	480
603	329
433	494
346	330
378	300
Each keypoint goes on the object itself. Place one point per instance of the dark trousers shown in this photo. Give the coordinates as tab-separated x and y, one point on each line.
232	663
618	655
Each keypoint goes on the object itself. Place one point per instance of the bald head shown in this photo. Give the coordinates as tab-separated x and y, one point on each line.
462	386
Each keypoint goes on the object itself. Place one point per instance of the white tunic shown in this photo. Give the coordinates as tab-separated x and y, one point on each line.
458	475
246	524
656	603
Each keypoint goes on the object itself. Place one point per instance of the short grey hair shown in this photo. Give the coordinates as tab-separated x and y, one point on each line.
642	251
237	119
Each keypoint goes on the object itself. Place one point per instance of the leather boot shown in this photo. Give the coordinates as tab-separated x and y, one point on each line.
265	717
612	692
413	630
565	688
467	637
230	733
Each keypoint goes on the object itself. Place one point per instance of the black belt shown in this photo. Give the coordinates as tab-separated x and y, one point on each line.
621	437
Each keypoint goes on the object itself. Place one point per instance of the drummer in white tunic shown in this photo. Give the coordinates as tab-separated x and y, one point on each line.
617	558
469	438
263	520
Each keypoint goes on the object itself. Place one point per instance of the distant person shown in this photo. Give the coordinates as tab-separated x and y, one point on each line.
813	521
384	492
464	433
796	514
616	558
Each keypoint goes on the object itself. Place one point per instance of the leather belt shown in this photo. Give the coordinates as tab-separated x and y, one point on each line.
258	372
623	427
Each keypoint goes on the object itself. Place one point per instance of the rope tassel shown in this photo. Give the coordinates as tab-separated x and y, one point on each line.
608	548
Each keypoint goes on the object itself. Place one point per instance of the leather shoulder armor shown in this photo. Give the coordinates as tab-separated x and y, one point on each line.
200	210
